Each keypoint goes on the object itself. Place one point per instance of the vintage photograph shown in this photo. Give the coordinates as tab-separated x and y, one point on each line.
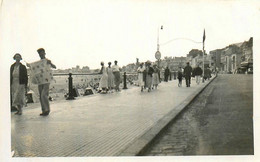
146	79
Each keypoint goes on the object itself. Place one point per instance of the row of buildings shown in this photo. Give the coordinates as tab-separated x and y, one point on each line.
235	58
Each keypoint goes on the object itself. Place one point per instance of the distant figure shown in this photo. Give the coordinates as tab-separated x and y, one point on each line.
144	75
149	76
187	74
116	72
110	77
216	71
156	79
44	88
18	81
198	74
180	75
207	73
104	79
166	74
140	71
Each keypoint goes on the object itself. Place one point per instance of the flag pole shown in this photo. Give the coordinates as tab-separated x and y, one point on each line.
203	73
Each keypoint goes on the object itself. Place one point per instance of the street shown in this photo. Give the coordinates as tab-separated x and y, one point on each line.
218	122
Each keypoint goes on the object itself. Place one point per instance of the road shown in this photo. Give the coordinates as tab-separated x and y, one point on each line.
218	122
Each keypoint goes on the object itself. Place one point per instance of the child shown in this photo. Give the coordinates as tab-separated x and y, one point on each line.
180	75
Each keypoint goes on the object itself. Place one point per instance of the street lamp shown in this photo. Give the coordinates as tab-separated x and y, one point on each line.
158	53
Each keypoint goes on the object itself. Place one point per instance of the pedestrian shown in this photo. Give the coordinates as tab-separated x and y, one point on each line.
198	73
166	74
145	74
180	75
156	79
103	83
18	81
140	71
110	75
207	73
44	88
116	72
187	74
149	76
216	71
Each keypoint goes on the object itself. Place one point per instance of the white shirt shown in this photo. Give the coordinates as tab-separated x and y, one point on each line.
115	68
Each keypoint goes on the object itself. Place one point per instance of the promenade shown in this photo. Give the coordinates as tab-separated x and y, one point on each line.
115	124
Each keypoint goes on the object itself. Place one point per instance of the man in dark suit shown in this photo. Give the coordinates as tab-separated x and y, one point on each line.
187	74
166	74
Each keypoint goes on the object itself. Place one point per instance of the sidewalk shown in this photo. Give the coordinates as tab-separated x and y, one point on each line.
116	124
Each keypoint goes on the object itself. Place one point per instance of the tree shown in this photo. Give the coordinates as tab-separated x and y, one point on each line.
195	52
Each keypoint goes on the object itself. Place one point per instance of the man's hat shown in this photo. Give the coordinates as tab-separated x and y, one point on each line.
41	50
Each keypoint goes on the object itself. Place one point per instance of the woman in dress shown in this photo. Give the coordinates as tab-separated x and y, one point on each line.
116	72
149	76
104	78
19	81
140	72
156	79
110	77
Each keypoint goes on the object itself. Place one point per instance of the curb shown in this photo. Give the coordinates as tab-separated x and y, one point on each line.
139	146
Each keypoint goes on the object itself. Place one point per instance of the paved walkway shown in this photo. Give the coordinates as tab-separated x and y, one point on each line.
97	125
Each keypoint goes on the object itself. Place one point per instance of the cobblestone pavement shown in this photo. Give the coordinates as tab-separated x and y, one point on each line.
97	125
218	122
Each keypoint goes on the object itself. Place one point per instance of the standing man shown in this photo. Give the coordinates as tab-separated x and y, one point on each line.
187	74
44	88
166	74
198	73
116	72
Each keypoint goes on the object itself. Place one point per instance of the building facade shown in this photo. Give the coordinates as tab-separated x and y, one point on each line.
234	57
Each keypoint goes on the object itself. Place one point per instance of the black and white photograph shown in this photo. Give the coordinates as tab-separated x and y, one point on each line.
128	80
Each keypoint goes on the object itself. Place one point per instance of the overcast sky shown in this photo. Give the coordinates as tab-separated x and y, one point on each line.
79	32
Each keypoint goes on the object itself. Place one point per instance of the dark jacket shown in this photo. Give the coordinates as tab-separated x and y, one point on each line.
187	70
150	71
197	71
166	72
23	77
180	74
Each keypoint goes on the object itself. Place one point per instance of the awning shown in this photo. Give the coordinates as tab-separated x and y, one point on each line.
247	64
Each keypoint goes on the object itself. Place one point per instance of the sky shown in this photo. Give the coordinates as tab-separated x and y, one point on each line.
84	33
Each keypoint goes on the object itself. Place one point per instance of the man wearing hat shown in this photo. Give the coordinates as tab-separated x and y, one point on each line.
187	74
44	88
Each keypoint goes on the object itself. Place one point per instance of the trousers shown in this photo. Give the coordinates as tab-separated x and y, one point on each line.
197	79
44	96
187	78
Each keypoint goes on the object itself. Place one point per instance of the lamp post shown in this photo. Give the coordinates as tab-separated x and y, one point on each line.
158	53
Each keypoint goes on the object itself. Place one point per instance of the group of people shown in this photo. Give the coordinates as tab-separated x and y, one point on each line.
110	78
188	72
19	84
148	76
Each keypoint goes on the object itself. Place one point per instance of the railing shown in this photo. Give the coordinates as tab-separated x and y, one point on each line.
74	81
83	83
